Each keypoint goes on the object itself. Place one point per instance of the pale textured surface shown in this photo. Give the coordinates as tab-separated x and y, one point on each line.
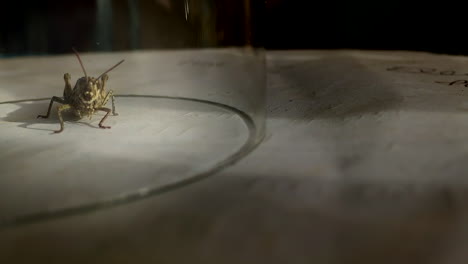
154	142
360	165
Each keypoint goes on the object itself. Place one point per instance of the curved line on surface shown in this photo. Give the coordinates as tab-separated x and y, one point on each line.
144	192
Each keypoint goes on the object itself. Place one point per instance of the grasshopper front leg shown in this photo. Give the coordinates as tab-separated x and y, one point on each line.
107	110
54	99
59	112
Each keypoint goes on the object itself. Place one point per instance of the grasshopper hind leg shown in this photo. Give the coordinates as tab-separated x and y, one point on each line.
110	94
67	91
66	94
113	104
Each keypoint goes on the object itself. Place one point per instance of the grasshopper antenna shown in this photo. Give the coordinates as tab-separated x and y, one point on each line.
113	67
81	63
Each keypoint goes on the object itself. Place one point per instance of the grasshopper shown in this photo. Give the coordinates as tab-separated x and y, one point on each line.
88	96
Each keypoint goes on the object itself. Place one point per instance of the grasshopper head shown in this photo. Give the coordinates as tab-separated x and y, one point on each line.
91	89
89	85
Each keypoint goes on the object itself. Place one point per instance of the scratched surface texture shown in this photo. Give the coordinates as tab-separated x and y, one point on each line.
364	162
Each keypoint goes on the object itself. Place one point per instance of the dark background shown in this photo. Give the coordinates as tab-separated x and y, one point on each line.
382	24
409	25
53	26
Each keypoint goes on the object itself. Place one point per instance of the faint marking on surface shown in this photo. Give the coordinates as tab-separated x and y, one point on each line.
163	129
184	131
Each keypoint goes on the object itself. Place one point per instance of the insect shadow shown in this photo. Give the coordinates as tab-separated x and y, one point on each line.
26	112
